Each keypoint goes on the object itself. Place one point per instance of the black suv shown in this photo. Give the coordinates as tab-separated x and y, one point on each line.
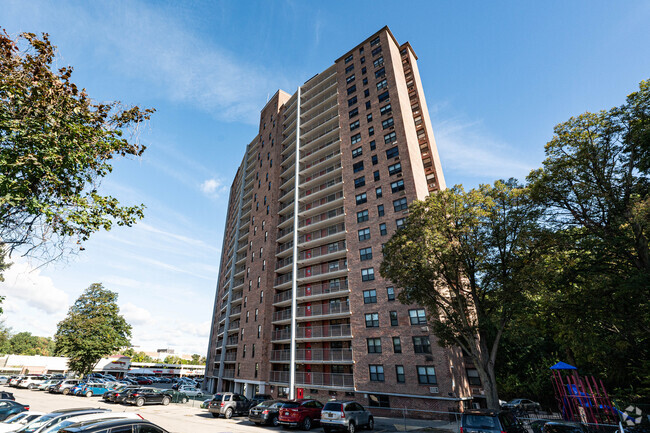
142	396
490	421
114	426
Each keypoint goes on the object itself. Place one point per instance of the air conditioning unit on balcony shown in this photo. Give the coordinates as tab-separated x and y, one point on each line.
433	390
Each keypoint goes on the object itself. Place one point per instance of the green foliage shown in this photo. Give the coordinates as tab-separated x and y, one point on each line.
467	257
56	144
24	343
92	329
141	357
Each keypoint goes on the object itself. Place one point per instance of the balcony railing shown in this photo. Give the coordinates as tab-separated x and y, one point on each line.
323	268
229	373
322	186
319	234
234	325
323	201
284	218
282	296
279	376
235	298
235	310
285	231
284	262
323	355
334	380
324	331
324	250
321	217
322	289
323	309
231	356
232	341
282	315
285	246
282	279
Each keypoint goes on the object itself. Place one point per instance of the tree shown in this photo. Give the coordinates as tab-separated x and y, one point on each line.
92	329
466	256
56	145
141	357
595	187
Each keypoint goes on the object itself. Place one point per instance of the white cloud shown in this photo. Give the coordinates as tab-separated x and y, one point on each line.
135	315
467	149
210	186
25	283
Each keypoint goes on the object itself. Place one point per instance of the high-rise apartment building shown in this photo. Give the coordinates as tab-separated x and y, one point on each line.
301	309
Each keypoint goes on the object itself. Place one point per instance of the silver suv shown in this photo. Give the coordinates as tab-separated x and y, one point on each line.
345	415
231	404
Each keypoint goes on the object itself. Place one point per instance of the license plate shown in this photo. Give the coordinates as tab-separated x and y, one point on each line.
286	414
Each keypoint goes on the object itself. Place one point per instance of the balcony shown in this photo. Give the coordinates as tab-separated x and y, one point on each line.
330	309
322	289
282	297
316	252
314	355
341	331
331	168
235	311
232	341
284	262
228	373
279	377
284	279
314	190
329	380
322	233
305	222
322	269
284	247
281	334
282	315
325	201
233	326
230	356
236	297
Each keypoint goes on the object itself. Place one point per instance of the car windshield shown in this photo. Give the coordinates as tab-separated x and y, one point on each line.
290	405
515	401
332	406
15	418
481	421
40	422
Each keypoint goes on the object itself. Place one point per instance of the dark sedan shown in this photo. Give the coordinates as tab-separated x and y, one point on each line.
10	407
143	396
266	413
112	394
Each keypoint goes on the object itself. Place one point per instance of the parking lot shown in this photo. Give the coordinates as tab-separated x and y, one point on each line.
189	418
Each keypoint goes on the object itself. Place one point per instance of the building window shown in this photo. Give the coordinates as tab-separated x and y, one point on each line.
376	51
393	152
357	152
473	377
372	320
378	192
369	117
362	59
360	181
366	93
370	296
382	229
421	344
427	375
243	355
361	198
257	369
383	96
367	102
376	175
349	69
378	400
399	372
363	70
357	166
386	109
374	345
400	204
371	131
379	62
367	274
259	331
355	139
372	44
397	345
349	79
352	101
373	145
376	373
253	352
256	314
247	315
354	125
353	113
364	234
397	186
365	253
418	317
387	123
381	85
395	168
390	138
375	160
349	58
362	216
390	291
393	318
400	223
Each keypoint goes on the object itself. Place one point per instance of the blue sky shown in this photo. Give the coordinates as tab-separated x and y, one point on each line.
497	77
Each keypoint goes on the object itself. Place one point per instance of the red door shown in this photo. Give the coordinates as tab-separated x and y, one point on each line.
299	393
308	290
308	352
308	310
308	330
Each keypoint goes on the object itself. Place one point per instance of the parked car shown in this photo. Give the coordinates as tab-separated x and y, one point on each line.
564	427
301	413
18	421
76	390
231	404
522	404
266	412
10	407
190	391
345	415
31	382
258	398
140	425
5	395
111	394
48	421
165	380
490	421
15	380
65	386
142	396
90	389
143	381
177	397
93	418
4	380
45	385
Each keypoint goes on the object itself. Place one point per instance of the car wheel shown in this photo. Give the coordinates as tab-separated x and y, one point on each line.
165	401
139	402
229	413
65	391
275	421
306	424
185	400
351	427
89	394
216	415
30	386
371	423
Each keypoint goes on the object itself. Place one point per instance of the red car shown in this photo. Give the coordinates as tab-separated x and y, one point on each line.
143	381
300	413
